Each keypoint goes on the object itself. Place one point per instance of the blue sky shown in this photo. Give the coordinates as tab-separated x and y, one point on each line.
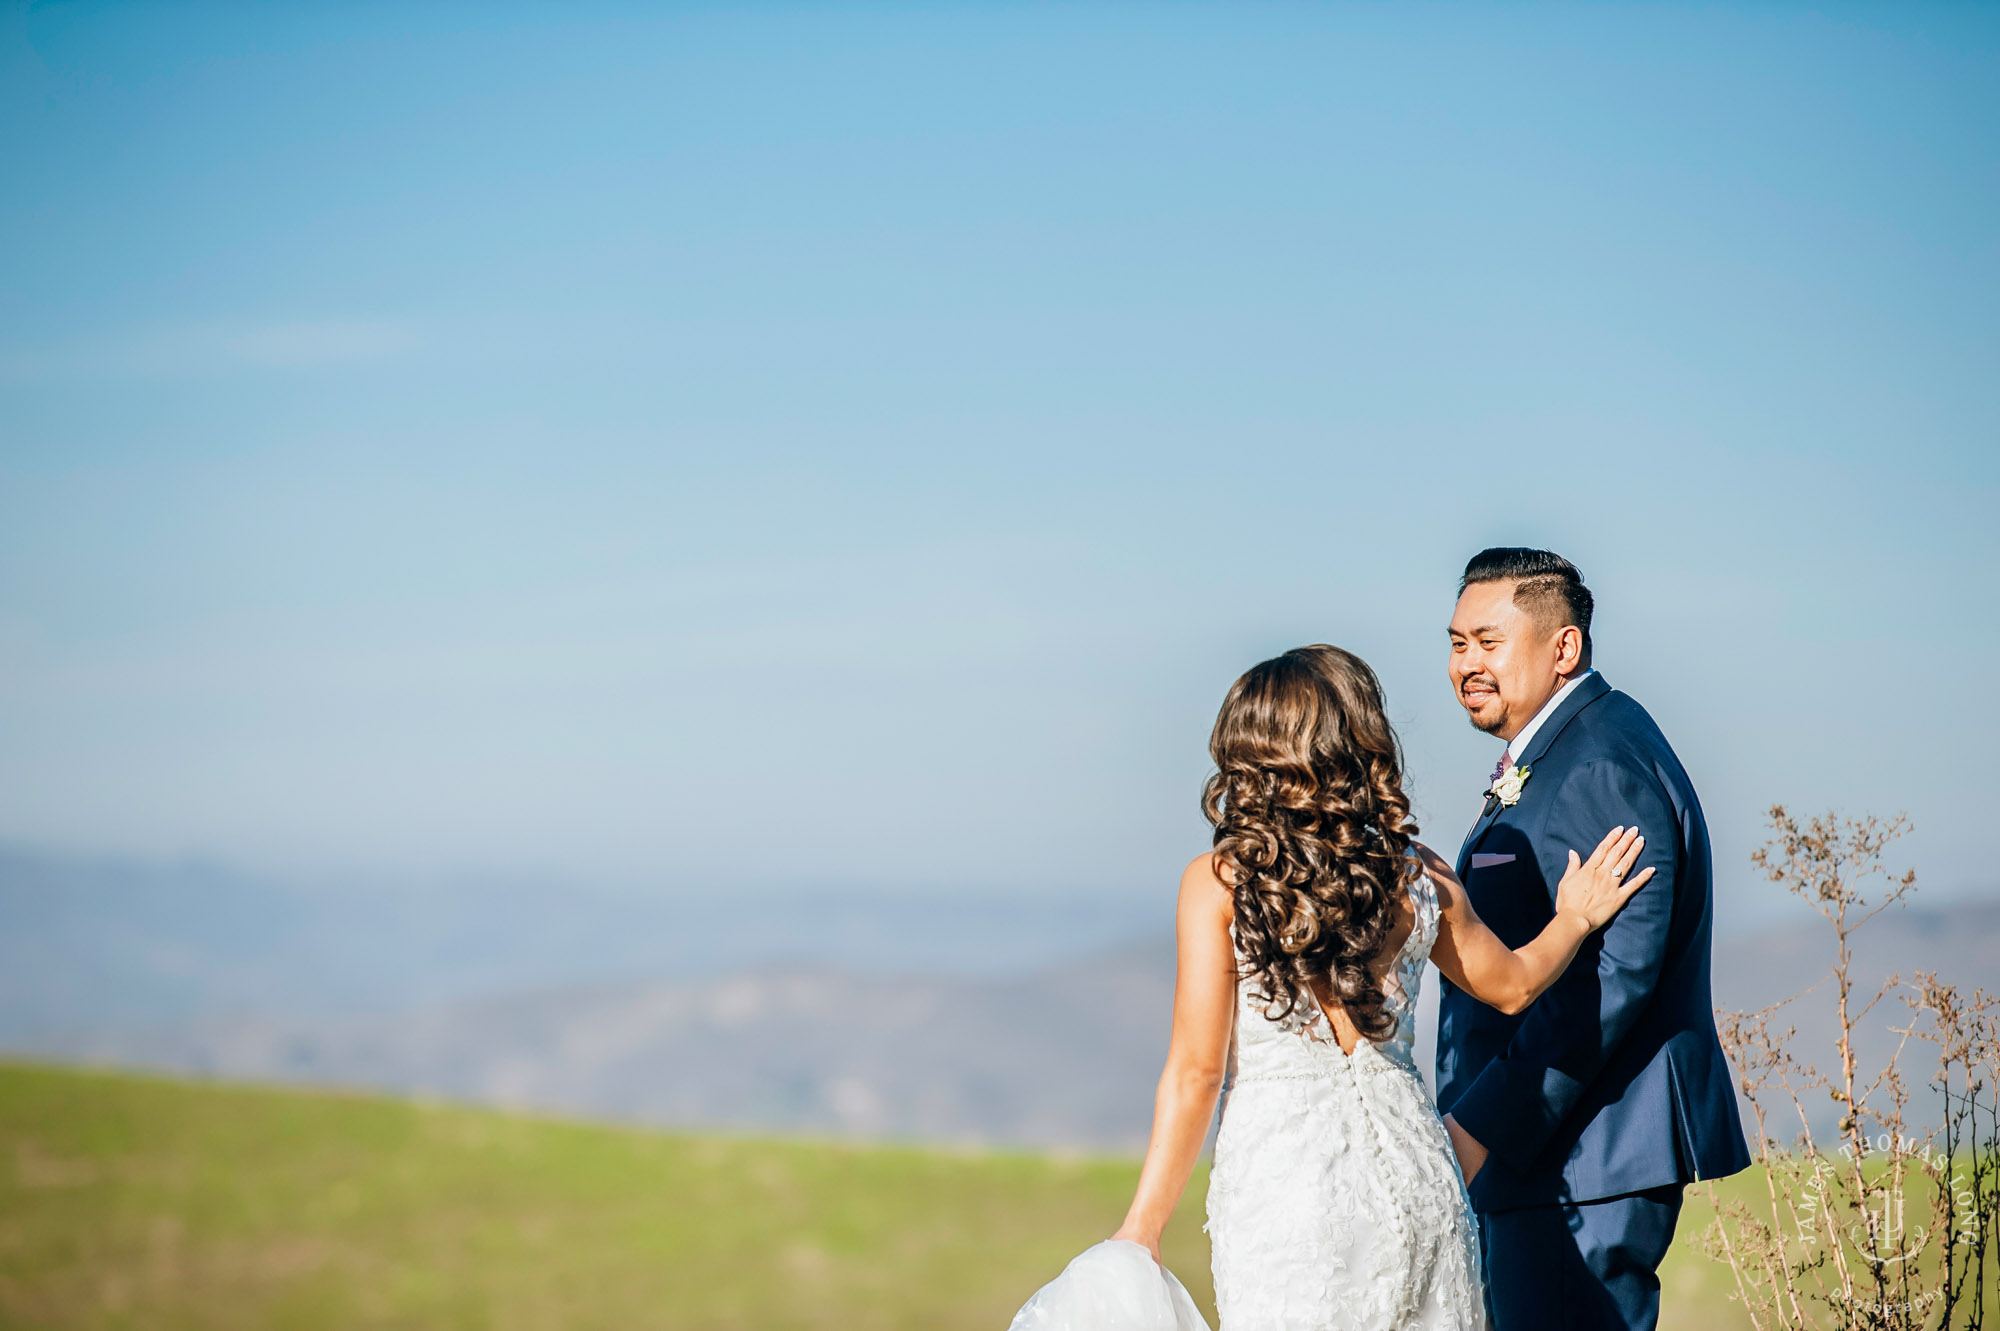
858	445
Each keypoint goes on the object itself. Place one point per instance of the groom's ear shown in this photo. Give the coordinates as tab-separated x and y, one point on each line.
1569	650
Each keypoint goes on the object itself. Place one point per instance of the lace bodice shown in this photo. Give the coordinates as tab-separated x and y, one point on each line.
1300	1044
1335	1203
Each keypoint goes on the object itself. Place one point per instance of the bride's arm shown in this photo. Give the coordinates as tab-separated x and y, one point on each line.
1472	957
1204	1009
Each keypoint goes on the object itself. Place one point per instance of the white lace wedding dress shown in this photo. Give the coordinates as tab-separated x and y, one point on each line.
1334	1200
1334	1203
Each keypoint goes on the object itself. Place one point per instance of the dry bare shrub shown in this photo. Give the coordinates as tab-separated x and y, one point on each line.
1887	1224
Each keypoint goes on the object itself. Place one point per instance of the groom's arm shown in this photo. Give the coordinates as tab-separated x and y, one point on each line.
1516	1104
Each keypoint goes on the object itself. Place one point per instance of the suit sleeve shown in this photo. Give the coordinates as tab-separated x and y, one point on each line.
1516	1104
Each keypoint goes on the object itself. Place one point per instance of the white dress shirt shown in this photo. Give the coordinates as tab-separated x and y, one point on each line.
1519	744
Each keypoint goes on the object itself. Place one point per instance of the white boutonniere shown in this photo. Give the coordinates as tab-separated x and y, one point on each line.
1507	786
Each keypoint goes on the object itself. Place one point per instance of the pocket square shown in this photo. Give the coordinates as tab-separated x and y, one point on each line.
1488	861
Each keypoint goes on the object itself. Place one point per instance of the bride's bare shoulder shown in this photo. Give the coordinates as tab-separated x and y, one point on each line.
1202	886
1441	876
1434	863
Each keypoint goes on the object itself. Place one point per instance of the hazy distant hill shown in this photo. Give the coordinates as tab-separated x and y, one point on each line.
1065	1055
679	1012
88	947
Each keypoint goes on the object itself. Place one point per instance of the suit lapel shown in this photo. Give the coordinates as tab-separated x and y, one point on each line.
1586	693
1487	813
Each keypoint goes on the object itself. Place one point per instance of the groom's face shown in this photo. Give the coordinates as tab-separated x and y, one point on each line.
1503	664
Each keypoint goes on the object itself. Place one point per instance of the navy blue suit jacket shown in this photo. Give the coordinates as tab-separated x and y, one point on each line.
1613	1080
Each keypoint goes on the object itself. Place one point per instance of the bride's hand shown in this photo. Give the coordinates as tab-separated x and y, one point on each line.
1150	1242
1591	890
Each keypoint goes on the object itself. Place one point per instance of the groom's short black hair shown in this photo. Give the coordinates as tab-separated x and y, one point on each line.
1546	585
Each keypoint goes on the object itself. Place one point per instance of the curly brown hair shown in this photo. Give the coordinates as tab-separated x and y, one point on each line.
1312	829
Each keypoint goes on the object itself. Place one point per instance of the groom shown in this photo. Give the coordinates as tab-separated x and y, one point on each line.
1578	1121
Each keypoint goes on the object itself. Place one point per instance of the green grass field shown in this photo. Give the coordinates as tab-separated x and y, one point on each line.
143	1203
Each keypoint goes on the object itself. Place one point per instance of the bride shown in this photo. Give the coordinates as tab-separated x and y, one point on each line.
1334	1199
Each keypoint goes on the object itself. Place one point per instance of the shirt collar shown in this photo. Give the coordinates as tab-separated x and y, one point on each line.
1519	744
